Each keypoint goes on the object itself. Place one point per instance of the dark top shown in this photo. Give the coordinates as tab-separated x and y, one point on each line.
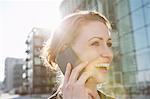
58	95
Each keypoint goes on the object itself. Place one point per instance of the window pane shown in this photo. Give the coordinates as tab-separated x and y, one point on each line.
37	61
37	51
147	77
122	8
124	25
141	76
128	62
38	42
126	43
129	78
134	4
140	37
143	60
146	1
137	19
37	70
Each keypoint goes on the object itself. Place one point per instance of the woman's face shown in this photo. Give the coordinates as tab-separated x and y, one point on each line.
93	44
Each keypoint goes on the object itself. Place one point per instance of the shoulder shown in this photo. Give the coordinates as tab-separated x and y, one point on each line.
58	95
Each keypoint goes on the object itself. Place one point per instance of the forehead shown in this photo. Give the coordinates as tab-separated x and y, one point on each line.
94	29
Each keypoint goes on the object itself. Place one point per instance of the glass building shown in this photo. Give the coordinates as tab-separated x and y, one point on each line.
133	25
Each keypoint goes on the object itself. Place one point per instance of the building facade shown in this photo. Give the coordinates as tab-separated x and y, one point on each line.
13	74
36	75
70	6
17	72
131	39
133	25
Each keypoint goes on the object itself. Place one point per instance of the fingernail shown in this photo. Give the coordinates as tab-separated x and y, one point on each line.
68	65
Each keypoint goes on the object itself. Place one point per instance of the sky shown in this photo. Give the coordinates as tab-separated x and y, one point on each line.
17	18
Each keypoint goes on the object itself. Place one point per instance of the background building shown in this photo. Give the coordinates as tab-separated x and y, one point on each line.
17	72
37	76
13	74
133	25
70	6
131	40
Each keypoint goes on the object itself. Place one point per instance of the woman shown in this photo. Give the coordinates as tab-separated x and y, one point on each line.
85	38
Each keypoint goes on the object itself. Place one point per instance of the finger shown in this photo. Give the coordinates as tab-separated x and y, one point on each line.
84	77
67	73
91	93
76	71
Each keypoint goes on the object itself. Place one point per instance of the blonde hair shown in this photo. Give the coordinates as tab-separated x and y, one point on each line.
67	31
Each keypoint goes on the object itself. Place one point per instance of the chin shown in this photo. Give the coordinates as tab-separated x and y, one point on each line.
101	79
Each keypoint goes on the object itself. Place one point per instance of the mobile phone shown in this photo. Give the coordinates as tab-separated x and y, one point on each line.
67	56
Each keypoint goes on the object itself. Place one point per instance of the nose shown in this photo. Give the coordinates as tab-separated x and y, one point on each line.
106	53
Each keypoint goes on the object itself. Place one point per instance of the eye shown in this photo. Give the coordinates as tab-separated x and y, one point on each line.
96	43
109	44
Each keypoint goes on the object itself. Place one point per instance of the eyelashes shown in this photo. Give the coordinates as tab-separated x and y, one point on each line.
96	43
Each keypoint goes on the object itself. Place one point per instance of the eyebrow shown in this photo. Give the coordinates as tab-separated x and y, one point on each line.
99	38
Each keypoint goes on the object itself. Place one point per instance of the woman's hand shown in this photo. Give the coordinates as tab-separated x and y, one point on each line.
74	86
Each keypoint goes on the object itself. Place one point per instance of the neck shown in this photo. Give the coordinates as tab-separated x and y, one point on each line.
92	85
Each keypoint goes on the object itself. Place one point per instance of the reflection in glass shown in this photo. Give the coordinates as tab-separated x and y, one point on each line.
147	13
140	37
124	25
122	8
137	19
126	43
143	60
128	62
134	4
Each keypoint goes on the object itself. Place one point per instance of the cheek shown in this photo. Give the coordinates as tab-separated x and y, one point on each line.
88	55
